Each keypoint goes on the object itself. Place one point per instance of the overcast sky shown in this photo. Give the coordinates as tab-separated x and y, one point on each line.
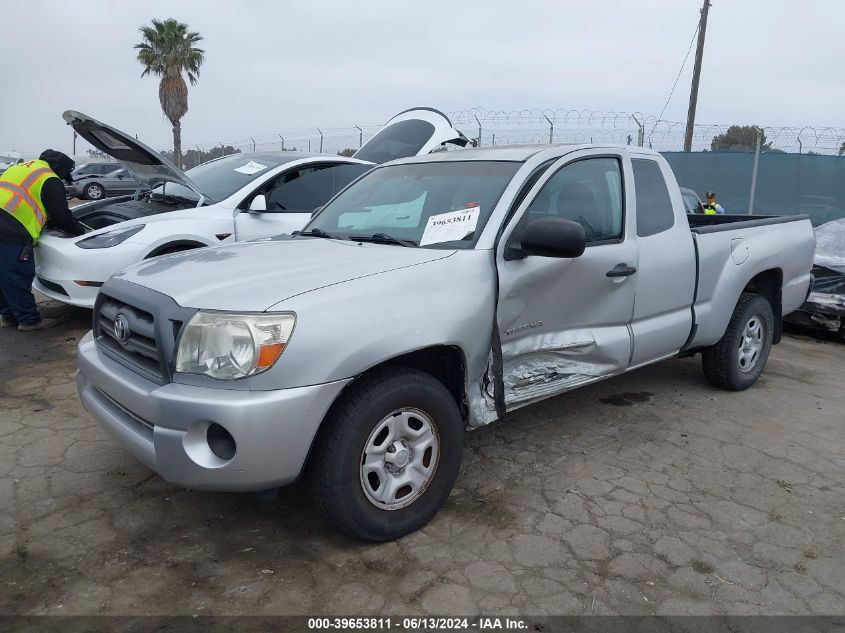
280	66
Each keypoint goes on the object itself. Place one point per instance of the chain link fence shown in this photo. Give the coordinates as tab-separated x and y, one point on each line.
497	127
592	126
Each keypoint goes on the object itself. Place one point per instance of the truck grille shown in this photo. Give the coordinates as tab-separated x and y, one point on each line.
128	333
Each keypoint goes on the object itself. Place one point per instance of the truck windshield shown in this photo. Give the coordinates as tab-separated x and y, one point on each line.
438	204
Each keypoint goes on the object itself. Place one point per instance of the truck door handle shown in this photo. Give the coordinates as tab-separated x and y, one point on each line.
621	270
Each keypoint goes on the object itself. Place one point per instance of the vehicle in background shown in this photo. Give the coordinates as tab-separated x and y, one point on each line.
692	203
232	198
824	309
433	294
9	159
94	169
95	181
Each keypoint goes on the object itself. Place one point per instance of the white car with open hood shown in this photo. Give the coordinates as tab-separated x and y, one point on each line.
233	198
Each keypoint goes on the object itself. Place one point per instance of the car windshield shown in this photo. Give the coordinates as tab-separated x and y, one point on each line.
222	177
437	204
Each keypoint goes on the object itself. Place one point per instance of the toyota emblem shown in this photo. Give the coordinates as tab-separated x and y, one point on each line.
121	329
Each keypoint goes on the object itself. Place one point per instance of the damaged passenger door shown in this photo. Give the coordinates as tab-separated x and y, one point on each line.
564	322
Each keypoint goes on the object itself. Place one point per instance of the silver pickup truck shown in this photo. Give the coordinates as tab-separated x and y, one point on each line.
432	295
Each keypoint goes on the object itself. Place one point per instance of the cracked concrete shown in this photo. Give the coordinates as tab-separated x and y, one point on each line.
649	493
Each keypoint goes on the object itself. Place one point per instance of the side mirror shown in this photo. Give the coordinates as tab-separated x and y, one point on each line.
550	237
259	203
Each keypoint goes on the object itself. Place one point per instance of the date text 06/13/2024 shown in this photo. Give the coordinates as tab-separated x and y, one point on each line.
417	623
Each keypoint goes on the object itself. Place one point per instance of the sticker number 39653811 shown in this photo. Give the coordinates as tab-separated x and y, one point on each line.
448	227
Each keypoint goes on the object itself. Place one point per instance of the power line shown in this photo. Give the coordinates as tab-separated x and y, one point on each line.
675	85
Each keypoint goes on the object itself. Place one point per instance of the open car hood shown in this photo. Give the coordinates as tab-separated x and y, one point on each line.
413	132
146	164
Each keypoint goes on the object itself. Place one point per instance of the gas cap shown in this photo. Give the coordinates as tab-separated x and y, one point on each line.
739	251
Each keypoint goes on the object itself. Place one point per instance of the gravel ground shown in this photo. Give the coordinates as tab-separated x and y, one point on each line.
649	493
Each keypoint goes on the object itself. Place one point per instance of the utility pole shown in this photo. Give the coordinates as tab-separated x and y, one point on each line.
696	75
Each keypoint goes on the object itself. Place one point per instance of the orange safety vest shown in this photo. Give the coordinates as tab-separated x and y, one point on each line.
20	194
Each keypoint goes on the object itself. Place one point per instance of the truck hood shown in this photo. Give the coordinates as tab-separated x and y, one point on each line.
253	276
146	164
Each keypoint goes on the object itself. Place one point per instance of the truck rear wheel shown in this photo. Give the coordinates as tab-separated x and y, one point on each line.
388	455
737	360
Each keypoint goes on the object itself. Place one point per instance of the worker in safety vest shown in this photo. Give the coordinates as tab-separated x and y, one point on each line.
31	195
711	207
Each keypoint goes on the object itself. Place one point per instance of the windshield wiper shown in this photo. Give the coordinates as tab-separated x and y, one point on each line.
383	238
316	233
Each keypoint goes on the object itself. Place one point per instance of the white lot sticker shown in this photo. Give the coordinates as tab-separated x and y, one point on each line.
447	227
251	168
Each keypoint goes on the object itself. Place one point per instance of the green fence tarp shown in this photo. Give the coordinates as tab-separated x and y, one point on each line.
786	183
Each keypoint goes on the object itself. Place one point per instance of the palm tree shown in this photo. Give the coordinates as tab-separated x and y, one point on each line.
169	49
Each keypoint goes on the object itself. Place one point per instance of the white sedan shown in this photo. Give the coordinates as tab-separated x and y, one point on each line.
233	198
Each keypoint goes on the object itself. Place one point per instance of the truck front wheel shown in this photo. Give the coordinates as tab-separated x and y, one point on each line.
737	360
388	455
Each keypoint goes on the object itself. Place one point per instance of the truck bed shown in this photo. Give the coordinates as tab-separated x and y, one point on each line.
774	249
702	223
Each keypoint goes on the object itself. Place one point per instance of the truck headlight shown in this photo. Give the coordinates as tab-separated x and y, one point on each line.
230	346
110	238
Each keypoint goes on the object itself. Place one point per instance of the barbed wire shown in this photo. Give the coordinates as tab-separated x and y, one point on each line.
539	125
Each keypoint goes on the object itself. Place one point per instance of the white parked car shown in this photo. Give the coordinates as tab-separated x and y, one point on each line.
8	159
233	198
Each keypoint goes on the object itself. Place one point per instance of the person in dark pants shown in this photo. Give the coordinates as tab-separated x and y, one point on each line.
31	195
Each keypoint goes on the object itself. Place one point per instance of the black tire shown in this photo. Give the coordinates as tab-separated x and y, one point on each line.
335	467
721	362
97	190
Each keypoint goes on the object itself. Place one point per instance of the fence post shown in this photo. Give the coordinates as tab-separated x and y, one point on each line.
360	136
494	139
641	134
321	139
551	129
478	142
754	174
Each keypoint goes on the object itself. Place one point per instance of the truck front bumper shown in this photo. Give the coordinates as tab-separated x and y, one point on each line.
172	428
